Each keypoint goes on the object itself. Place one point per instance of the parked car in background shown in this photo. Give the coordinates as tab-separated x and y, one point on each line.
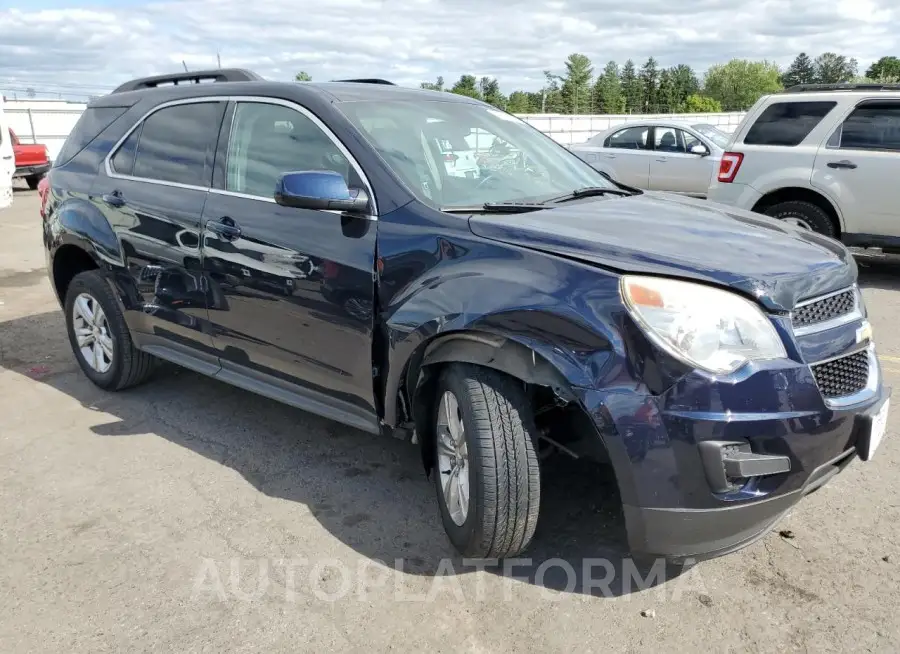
821	157
7	161
300	241
32	161
713	133
657	155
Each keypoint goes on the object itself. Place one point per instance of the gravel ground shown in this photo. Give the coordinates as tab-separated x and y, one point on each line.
187	516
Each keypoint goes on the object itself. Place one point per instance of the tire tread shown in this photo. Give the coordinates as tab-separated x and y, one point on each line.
510	470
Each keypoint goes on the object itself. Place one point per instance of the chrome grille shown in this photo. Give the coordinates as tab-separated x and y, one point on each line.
844	376
824	309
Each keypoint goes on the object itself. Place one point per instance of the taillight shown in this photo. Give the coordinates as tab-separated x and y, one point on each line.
729	165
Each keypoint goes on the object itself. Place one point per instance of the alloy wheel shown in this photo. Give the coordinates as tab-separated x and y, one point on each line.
92	333
453	458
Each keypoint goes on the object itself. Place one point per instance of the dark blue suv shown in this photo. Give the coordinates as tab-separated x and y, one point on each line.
320	244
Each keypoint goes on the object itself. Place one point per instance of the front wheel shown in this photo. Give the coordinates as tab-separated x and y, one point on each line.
486	467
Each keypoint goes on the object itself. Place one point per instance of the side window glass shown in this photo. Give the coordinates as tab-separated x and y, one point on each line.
787	123
872	127
669	139
690	140
177	143
123	161
268	140
632	138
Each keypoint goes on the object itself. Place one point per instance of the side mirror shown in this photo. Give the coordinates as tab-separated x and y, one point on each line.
699	149
319	189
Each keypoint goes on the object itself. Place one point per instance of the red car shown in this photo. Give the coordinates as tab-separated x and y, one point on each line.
32	161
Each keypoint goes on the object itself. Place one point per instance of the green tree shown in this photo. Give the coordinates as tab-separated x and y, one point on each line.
303	76
832	68
801	71
520	102
739	83
489	88
685	81
551	100
466	85
631	88
608	98
886	69
437	85
666	98
536	100
649	86
576	85
700	104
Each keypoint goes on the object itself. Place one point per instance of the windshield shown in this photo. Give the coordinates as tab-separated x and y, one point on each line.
714	134
457	153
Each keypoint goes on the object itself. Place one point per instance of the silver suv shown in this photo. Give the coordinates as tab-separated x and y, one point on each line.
825	157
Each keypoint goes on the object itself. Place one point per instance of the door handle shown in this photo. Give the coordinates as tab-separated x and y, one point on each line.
841	164
224	227
7	157
113	199
663	160
609	156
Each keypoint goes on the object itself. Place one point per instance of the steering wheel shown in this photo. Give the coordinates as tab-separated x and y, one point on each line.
485	180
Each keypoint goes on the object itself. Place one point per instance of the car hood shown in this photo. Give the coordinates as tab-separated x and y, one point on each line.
667	234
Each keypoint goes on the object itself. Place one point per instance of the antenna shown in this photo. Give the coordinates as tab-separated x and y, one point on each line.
185	66
218	59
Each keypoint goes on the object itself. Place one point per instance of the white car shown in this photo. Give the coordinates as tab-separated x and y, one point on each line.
823	157
657	155
7	161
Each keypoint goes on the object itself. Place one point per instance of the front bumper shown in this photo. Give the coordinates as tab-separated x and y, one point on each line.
671	502
706	533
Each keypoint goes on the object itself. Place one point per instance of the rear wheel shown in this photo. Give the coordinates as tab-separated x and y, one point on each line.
486	467
803	214
99	336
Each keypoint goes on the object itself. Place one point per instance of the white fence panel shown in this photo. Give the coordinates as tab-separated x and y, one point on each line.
50	121
43	121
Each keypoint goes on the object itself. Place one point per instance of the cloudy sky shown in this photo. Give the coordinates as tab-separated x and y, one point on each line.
92	45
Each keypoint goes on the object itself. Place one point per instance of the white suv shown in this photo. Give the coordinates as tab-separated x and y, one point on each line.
822	156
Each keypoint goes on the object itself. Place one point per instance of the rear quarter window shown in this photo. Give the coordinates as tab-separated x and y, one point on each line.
787	123
93	121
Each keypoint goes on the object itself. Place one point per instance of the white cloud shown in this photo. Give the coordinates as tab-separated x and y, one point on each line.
410	41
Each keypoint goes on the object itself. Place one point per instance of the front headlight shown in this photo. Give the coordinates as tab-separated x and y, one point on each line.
705	327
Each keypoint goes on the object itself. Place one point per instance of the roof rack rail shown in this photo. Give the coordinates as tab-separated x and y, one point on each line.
842	86
367	80
190	77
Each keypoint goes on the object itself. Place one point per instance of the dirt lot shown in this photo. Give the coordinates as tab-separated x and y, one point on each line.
187	516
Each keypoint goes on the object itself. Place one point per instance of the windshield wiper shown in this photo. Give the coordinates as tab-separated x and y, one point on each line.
589	192
497	207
